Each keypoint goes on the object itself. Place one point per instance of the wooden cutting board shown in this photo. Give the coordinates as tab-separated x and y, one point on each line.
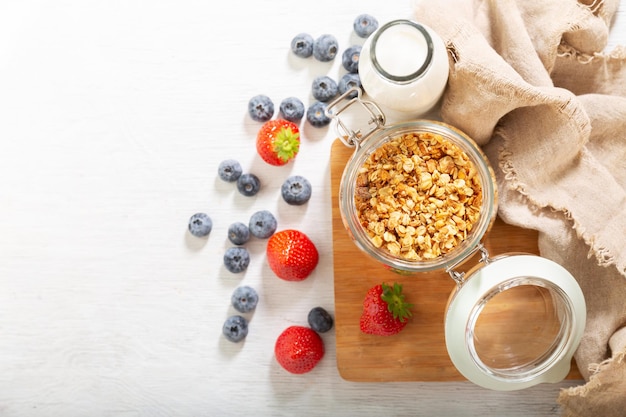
418	353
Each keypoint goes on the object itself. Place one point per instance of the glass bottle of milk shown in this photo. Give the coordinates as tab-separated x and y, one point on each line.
404	68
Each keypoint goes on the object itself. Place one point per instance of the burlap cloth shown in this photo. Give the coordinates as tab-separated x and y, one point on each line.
530	83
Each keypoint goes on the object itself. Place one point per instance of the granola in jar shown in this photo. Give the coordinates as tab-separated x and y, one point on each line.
418	196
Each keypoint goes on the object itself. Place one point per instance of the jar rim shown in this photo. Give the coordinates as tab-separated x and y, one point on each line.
358	234
543	361
417	73
547	362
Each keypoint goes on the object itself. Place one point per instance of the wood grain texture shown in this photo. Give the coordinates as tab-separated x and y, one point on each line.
419	352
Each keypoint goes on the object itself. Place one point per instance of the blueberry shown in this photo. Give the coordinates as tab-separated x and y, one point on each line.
302	45
364	25
238	233
200	225
229	170
244	299
296	190
316	115
262	224
347	81
320	320
235	328
325	48
292	109
236	259
248	184
261	108
350	58
324	88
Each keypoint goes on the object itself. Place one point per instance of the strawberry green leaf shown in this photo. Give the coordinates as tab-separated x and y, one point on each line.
396	303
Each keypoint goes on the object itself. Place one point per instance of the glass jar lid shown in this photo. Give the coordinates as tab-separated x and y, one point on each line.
515	322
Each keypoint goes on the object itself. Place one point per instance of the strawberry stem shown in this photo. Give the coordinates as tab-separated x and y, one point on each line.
396	302
286	143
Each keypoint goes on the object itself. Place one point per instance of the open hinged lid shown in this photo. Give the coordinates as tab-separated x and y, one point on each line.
514	322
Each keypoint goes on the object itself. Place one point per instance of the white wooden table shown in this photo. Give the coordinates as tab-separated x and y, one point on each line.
113	118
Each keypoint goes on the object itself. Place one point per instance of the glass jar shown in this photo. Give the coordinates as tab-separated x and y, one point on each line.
513	320
359	234
404	67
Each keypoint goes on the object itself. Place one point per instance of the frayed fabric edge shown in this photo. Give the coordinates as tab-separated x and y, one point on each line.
566	51
595	369
600	253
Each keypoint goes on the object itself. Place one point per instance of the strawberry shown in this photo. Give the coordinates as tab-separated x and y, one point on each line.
278	141
298	349
291	255
385	311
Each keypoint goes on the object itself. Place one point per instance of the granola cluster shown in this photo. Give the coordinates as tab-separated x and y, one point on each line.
418	196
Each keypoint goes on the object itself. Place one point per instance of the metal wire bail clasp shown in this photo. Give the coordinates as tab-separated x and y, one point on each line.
459	277
352	138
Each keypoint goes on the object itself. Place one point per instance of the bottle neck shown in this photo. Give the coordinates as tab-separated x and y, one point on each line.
401	51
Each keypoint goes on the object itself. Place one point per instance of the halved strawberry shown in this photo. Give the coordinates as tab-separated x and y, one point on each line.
385	311
291	255
278	141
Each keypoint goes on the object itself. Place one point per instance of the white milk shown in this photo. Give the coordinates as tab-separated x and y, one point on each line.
401	50
404	67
